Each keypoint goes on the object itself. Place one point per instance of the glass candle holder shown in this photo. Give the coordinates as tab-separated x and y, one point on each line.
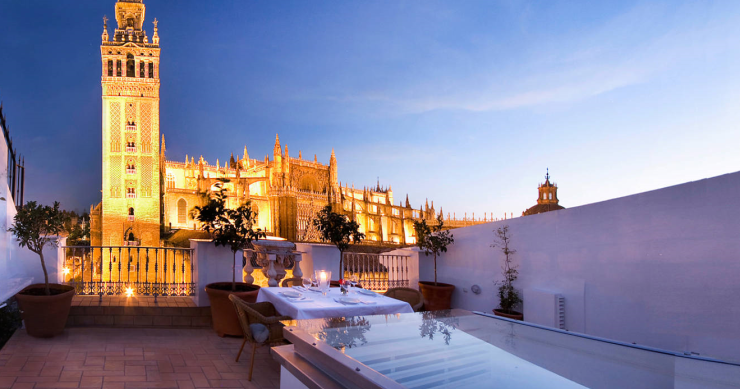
323	277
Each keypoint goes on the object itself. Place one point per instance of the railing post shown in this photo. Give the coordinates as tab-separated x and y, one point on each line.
174	273
164	271
100	276
248	268
271	272
156	273
297	272
147	286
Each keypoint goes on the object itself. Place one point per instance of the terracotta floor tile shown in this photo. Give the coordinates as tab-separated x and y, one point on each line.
120	358
7	382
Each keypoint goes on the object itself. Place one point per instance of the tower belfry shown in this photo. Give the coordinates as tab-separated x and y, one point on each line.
547	198
130	91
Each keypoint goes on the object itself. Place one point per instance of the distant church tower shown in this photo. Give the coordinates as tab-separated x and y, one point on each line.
130	80
547	199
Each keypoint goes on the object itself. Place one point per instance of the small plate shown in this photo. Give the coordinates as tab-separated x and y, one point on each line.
349	300
314	289
366	292
291	294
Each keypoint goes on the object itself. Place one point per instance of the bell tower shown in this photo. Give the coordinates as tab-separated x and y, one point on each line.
548	191
130	81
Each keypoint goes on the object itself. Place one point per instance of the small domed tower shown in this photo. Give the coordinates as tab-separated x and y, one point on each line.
547	199
548	191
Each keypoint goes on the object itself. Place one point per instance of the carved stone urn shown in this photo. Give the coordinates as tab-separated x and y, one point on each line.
272	258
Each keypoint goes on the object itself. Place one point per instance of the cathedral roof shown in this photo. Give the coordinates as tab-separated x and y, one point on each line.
542	208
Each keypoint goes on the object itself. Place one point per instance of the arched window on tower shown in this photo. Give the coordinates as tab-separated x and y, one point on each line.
151	70
130	66
170	181
118	68
130	167
110	68
131	214
141	69
182	209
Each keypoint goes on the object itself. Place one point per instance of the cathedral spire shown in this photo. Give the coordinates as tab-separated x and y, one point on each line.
155	37
104	37
277	150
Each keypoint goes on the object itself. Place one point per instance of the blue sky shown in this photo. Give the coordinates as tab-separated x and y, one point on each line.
464	102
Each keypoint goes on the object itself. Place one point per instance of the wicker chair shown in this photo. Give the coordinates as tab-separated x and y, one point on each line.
411	296
295	281
258	313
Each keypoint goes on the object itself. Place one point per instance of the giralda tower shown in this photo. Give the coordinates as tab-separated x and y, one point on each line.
131	179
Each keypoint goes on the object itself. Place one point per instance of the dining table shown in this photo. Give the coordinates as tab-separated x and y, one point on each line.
301	303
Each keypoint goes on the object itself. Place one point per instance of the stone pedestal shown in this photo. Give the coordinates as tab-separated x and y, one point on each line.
274	257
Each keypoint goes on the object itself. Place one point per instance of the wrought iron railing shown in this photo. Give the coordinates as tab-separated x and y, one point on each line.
378	271
15	164
118	270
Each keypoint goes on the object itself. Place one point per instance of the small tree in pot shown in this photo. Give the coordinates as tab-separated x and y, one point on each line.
232	228
433	240
508	296
45	306
339	230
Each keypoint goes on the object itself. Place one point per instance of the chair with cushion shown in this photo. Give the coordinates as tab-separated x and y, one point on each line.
411	296
295	281
261	325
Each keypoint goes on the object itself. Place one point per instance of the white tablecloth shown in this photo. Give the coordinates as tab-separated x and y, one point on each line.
325	306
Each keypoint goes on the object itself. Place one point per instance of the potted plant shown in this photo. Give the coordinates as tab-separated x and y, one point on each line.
507	294
44	307
339	230
433	240
233	228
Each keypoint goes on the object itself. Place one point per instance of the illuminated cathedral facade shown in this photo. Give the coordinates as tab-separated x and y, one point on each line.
145	194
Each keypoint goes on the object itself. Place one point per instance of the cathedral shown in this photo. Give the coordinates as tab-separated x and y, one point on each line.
145	195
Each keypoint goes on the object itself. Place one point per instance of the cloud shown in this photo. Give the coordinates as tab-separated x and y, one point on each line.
629	49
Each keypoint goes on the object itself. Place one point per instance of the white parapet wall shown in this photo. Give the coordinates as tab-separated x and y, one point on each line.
212	264
659	268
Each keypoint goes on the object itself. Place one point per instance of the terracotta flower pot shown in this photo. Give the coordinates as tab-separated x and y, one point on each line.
515	316
436	297
45	316
223	313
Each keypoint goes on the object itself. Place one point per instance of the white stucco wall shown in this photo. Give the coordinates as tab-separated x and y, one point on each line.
212	264
659	268
18	266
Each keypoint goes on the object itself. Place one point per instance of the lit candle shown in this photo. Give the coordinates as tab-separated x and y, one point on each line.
322	276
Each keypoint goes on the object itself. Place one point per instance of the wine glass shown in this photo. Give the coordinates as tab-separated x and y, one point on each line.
314	282
307	283
354	280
